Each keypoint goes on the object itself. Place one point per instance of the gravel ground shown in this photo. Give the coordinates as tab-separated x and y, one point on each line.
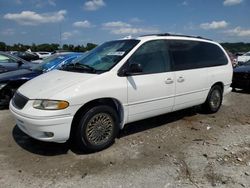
181	149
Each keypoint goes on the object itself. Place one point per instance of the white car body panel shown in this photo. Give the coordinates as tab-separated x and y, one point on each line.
43	55
150	95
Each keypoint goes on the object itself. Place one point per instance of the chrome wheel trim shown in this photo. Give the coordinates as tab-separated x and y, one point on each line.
99	129
215	99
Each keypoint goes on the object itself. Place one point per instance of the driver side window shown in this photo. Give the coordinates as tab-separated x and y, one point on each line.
153	57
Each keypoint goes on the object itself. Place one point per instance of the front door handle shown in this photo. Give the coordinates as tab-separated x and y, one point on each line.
169	81
180	79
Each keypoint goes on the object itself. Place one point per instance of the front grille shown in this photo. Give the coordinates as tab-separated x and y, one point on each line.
19	101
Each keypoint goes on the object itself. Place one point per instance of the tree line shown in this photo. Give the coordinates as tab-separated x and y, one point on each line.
237	47
232	47
46	47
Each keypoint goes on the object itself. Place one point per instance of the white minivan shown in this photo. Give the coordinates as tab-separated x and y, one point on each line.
119	82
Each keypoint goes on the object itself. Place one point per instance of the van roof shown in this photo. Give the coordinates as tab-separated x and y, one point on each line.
171	35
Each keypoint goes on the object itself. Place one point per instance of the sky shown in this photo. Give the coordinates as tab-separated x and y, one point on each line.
96	21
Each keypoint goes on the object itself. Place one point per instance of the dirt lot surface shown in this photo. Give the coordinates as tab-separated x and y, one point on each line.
181	149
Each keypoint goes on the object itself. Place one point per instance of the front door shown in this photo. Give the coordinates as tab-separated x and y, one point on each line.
151	92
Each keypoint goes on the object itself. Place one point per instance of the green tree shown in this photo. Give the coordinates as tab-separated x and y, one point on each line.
2	46
90	46
65	47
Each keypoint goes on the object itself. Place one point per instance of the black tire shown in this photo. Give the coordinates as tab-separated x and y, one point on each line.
214	100
94	118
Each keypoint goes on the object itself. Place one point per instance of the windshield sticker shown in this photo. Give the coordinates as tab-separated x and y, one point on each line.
118	53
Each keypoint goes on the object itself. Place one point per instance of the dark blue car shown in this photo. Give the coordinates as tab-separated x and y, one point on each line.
10	62
241	77
11	81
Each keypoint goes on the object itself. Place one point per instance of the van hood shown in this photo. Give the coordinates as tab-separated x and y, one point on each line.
51	83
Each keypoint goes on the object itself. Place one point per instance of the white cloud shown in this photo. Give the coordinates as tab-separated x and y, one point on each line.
238	32
122	28
184	3
136	20
8	32
33	18
43	3
70	34
214	25
52	2
232	2
116	24
133	30
66	35
19	2
92	5
82	24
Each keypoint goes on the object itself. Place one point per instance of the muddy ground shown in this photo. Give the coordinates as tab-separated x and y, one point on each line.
181	149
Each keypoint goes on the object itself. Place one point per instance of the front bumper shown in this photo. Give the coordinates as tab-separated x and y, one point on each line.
50	128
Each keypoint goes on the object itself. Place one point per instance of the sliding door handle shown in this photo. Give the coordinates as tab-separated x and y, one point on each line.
180	79
169	81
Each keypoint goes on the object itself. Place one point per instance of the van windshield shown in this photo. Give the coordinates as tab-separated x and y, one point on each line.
103	57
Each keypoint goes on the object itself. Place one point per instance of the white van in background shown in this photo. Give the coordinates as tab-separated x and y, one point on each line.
119	82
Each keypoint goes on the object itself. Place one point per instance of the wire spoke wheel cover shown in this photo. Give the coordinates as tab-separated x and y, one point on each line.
100	128
215	100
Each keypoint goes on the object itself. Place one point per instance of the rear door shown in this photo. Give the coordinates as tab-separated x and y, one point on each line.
198	67
151	92
192	79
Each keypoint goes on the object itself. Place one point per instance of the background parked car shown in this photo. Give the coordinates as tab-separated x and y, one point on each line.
244	58
10	81
28	56
43	55
10	62
241	76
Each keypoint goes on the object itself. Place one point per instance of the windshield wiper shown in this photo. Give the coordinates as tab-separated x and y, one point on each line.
79	66
83	66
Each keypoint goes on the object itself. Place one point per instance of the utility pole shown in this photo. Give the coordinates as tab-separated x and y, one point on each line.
60	32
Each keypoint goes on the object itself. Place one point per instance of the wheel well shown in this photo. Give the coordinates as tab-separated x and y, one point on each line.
219	84
114	103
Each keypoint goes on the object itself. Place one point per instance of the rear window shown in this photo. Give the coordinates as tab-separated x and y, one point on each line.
195	54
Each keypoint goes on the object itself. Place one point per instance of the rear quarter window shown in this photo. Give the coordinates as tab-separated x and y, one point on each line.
196	54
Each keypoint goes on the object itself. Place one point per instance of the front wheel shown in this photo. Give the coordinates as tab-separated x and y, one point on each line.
214	100
97	128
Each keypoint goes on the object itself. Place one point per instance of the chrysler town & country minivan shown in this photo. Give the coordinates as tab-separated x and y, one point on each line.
119	82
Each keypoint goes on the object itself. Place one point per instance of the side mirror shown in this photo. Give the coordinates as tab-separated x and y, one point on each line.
134	69
131	70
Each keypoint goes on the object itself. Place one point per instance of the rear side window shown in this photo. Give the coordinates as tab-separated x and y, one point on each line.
195	54
153	57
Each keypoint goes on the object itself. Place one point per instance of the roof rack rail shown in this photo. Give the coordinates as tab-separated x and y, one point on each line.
175	35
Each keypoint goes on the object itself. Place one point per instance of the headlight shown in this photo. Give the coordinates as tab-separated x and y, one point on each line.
2	86
50	104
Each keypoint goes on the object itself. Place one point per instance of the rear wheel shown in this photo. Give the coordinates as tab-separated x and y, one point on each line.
97	128
214	100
